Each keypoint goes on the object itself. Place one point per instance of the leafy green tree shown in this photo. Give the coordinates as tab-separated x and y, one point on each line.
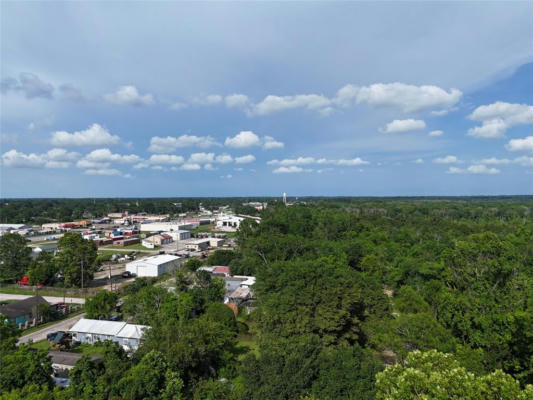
148	380
221	257
43	269
76	256
9	335
15	257
434	375
212	389
408	332
196	348
409	301
99	378
346	372
220	313
285	368
193	264
320	296
150	303
101	305
138	284
24	366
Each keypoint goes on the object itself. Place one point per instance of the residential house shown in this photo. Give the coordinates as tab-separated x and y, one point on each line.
90	331
24	311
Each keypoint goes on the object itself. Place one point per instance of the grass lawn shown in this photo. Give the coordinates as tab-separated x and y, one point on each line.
89	349
84	348
30	291
41	345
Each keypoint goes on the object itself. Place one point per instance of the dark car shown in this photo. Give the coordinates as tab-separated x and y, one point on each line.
52	336
127	274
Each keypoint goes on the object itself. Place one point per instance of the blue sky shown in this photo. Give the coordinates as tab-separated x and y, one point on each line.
228	99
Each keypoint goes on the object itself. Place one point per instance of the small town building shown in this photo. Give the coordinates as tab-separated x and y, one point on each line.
24	311
90	331
229	222
198	245
179	234
221	271
159	240
216	242
64	361
127	241
154	266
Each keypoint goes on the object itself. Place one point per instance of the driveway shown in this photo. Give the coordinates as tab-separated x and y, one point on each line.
63	325
50	299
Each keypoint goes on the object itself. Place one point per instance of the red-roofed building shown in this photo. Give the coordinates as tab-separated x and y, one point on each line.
221	270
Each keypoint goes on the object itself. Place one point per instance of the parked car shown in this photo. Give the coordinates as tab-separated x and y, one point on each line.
52	336
127	274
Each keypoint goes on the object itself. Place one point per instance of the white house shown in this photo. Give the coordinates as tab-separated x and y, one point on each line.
154	266
94	330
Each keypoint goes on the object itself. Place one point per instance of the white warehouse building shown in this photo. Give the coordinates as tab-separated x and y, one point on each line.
154	266
179	235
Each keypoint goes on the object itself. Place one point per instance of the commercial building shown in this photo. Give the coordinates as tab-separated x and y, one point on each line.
198	245
127	241
92	330
216	242
154	266
179	235
167	226
159	240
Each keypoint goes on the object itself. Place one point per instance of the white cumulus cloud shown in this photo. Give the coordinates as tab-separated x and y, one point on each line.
525	144
171	143
201	158
245	159
53	159
404	125
293	169
446	160
224	159
95	135
272	104
242	140
105	155
270	143
408	98
476	169
129	95
436	133
498	117
168	159
236	100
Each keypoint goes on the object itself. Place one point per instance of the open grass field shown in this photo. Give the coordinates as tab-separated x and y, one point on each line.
45	291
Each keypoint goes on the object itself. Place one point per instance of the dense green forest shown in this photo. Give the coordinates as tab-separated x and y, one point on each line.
356	299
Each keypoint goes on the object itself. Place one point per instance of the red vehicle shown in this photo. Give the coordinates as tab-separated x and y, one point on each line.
25	281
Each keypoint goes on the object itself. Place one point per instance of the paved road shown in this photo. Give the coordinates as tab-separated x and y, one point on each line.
50	299
63	325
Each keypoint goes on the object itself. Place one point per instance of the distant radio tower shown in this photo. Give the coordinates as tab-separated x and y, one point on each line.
284	198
